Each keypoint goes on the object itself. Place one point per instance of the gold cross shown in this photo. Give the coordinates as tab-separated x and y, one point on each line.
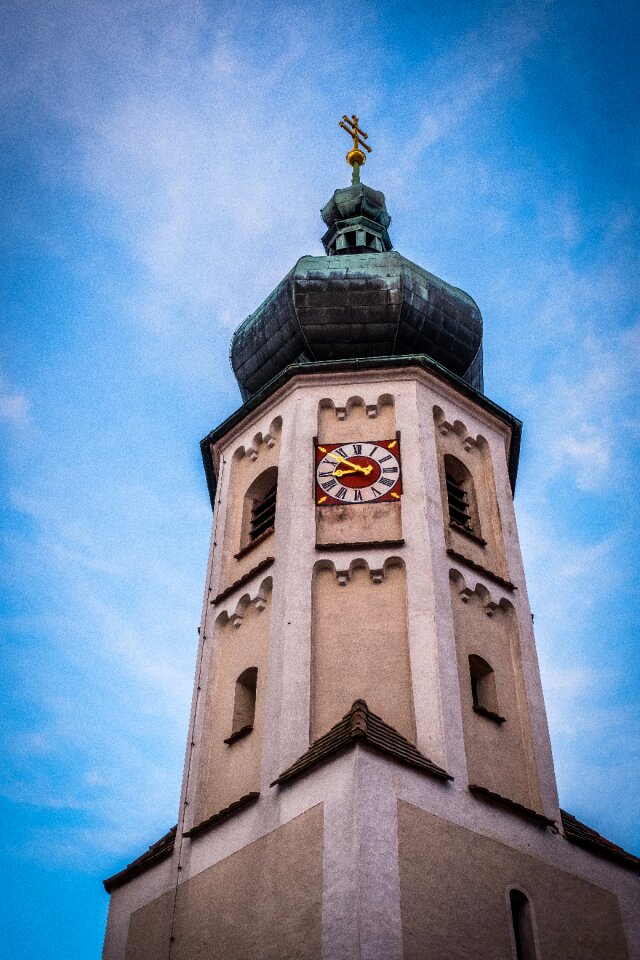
355	157
359	136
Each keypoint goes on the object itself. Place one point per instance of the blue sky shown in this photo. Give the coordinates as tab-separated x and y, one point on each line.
163	167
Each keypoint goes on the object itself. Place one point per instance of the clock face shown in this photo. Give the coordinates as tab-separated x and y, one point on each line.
365	471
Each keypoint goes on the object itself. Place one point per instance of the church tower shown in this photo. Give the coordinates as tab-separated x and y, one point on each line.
368	771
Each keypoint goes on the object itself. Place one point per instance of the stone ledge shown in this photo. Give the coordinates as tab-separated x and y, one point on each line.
360	545
221	815
240	582
254	543
460	557
579	833
489	714
239	734
156	853
467	533
518	808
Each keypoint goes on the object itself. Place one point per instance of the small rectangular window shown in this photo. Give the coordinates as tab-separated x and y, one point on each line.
483	688
522	922
263	513
244	705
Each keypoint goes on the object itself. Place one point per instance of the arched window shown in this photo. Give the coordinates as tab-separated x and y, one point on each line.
483	688
461	496
244	704
522	924
259	513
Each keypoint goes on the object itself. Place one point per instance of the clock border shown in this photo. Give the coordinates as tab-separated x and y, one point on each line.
332	501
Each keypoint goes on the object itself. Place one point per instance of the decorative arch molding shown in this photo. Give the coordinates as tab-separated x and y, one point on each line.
352	403
259	599
493	694
268	438
360	605
465	592
344	574
472	514
460	430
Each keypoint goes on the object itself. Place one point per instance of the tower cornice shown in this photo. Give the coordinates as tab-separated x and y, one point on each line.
323	367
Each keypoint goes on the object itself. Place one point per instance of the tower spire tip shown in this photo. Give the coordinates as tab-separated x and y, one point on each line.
356	158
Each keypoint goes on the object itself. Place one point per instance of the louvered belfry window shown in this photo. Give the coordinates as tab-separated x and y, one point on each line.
459	511
263	513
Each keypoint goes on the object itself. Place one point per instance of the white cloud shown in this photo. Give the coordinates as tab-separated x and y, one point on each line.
465	77
583	410
14	406
590	456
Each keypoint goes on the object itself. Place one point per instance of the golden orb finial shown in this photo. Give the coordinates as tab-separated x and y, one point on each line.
355	158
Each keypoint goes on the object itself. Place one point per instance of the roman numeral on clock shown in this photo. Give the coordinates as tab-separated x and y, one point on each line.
341	494
389	469
384	459
357	496
357	449
341	451
387	482
328	484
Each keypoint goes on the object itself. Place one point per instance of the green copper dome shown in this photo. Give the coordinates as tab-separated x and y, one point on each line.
362	300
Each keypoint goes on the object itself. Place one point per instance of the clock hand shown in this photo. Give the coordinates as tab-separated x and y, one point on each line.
366	470
342	473
334	456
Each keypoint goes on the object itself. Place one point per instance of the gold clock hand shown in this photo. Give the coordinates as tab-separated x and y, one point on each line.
334	456
341	473
366	470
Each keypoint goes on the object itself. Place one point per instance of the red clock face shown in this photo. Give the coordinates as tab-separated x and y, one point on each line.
363	471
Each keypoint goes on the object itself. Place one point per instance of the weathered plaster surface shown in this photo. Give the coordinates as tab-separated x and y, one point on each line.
229	771
499	755
263	901
360	646
455	894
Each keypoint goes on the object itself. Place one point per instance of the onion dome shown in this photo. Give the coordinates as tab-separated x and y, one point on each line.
362	300
357	219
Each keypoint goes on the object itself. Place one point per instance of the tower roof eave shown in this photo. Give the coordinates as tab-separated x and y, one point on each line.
371	363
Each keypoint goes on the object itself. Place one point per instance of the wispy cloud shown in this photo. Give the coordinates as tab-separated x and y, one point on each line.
91	684
468	74
584	409
14	406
